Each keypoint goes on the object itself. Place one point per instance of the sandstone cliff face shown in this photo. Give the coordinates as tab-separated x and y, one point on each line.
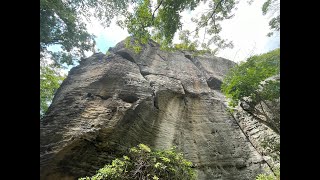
112	102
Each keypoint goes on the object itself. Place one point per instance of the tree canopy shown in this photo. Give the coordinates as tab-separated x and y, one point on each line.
63	23
161	20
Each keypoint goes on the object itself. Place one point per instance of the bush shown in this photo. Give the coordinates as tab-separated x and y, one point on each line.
244	80
142	163
250	85
270	176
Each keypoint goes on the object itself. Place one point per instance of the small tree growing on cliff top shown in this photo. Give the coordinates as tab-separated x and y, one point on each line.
142	163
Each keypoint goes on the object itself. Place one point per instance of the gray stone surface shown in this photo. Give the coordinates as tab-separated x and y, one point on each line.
110	103
256	131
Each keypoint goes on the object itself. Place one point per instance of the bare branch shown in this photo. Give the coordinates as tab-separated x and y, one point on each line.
213	13
156	10
270	125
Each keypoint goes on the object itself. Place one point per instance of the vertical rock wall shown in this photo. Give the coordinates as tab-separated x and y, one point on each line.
110	103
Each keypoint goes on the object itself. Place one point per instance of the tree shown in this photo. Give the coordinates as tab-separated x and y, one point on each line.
142	163
63	23
50	81
162	20
272	7
243	85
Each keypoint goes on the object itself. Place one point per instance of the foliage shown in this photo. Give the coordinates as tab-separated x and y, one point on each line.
63	23
187	45
192	48
133	44
244	81
272	7
162	21
50	81
143	163
270	176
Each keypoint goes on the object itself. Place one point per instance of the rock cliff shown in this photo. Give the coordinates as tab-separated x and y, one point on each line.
112	102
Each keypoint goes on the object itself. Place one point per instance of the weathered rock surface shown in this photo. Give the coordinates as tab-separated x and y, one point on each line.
257	132
110	103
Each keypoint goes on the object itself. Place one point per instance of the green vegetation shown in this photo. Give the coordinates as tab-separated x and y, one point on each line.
187	45
63	23
244	81
162	21
50	81
143	163
269	176
272	9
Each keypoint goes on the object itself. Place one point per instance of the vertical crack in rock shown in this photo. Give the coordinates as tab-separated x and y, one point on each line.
251	142
196	62
213	69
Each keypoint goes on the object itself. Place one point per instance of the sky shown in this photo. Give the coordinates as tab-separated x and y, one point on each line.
248	30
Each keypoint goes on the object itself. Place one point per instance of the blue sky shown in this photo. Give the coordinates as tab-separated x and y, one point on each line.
102	44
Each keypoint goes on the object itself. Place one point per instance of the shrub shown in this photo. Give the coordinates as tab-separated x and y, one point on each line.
243	86
270	176
143	163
